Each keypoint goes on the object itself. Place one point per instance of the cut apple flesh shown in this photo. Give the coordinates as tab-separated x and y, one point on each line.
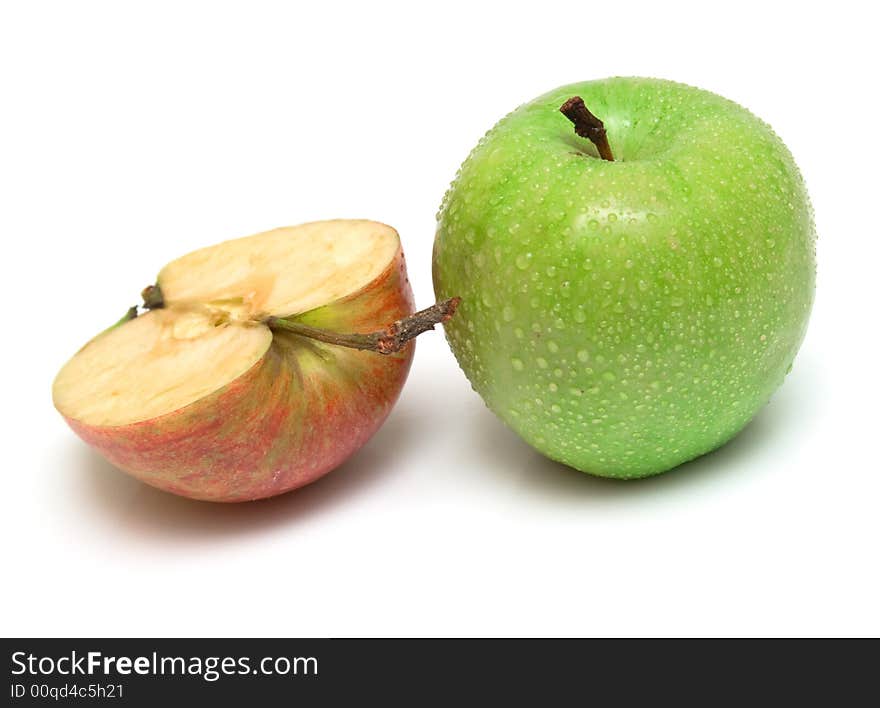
210	331
155	364
282	272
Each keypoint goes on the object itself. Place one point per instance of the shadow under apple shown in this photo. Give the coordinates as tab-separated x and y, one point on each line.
500	456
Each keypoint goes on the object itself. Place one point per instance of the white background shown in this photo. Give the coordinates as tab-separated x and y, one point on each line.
133	133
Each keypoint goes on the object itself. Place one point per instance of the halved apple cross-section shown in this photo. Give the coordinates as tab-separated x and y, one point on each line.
204	397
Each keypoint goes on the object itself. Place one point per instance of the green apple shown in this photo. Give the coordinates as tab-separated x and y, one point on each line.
626	315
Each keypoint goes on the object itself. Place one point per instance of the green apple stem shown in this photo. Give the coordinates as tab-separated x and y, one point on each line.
385	341
587	125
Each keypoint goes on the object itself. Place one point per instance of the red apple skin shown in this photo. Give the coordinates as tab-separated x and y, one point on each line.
295	415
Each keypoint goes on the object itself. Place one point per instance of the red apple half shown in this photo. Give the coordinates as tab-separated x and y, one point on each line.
254	372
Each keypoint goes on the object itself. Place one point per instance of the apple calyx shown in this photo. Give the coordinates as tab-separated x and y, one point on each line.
587	125
130	314
386	341
153	297
152	300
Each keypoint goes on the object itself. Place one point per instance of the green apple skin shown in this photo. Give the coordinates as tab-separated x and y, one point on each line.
625	317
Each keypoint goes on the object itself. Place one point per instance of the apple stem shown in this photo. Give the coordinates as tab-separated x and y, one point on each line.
385	341
587	125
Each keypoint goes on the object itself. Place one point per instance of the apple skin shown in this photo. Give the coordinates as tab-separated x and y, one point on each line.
298	413
625	317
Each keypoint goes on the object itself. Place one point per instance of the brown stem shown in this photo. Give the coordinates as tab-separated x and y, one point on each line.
385	341
587	125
